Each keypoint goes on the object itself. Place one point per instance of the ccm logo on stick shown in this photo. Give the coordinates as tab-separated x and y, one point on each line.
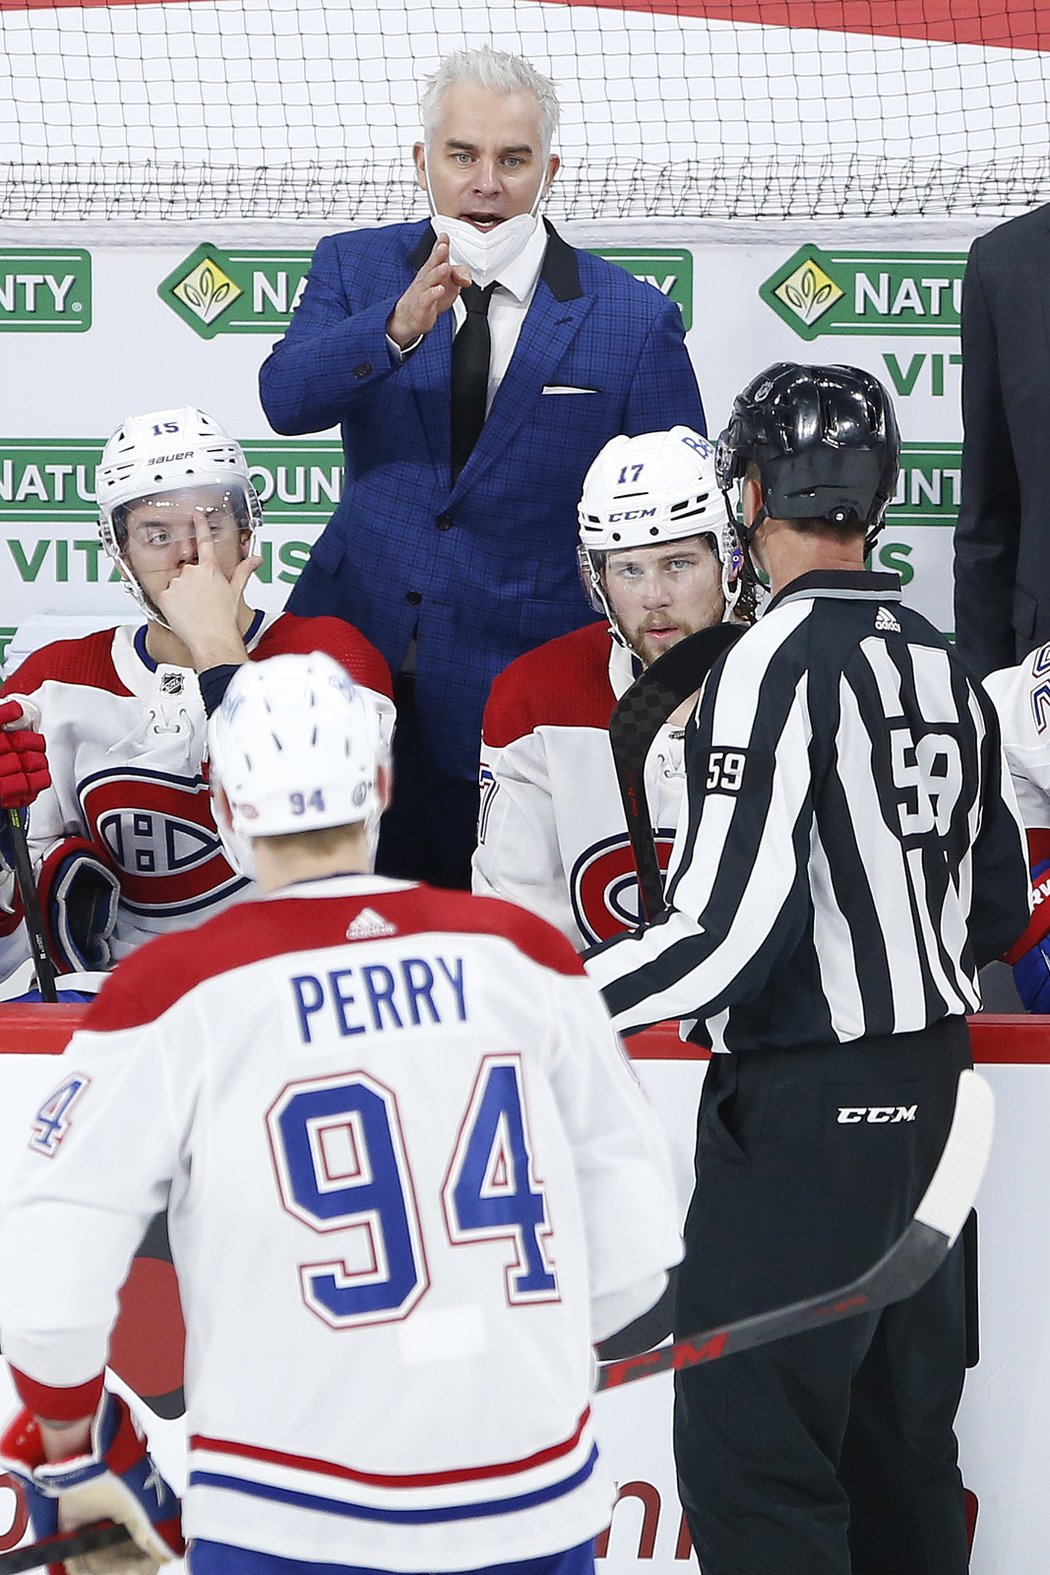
876	1115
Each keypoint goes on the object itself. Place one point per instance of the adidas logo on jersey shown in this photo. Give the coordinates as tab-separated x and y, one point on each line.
885	620
369	926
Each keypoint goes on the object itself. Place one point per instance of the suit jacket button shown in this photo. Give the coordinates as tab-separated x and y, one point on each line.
414	597
445	522
363	369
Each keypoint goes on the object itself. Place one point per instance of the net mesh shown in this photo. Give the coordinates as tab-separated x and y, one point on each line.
305	109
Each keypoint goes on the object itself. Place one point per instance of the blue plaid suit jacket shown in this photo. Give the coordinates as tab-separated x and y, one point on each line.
486	569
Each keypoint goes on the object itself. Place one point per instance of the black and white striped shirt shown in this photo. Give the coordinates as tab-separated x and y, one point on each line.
849	851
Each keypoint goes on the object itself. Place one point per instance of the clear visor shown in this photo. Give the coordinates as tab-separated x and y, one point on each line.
173	519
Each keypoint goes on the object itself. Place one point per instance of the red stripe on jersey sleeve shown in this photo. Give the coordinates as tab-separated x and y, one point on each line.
162	971
337	639
87	662
55	1404
564	683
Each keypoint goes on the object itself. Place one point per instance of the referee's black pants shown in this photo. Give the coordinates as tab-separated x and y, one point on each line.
830	1453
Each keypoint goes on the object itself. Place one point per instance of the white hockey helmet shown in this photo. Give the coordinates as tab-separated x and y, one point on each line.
295	745
647	490
168	451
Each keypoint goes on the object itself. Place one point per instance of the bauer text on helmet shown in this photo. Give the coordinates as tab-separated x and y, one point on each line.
640	496
159	473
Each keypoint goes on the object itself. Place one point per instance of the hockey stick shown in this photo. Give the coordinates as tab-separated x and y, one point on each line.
637	718
89	1538
45	970
904	1269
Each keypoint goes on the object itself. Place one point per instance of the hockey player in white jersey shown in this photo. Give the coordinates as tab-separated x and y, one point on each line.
123	839
660	559
1021	696
411	1179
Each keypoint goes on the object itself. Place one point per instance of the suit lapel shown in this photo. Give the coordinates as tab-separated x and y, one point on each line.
553	320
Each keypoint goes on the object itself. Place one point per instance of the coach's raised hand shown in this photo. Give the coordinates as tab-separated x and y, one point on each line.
432	291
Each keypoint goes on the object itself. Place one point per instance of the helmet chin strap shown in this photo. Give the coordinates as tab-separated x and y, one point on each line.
746	533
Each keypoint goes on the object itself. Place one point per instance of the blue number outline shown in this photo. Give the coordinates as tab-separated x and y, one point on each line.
48	1131
326	1284
534	1264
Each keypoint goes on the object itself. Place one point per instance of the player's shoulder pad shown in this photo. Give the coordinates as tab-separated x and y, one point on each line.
87	661
162	971
337	639
564	683
424	908
150	980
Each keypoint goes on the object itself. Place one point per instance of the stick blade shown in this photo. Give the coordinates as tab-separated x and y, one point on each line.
945	1206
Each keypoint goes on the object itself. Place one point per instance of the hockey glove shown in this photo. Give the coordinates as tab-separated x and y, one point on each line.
82	893
117	1481
1031	955
23	757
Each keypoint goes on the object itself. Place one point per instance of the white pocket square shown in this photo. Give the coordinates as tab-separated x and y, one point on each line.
564	388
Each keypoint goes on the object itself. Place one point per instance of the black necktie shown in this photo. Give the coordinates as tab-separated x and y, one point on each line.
470	373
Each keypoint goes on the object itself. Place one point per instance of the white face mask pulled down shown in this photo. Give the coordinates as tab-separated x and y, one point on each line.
485	252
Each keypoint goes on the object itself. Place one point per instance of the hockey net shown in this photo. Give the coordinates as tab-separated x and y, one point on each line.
306	109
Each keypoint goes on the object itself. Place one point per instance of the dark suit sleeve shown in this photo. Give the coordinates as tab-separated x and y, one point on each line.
330	356
664	392
988	532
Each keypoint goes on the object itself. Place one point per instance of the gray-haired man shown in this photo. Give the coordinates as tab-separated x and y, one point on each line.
476	363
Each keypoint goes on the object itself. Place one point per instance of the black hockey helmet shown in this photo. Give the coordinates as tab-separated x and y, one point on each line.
825	441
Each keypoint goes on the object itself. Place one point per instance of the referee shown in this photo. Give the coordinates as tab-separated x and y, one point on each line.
847	858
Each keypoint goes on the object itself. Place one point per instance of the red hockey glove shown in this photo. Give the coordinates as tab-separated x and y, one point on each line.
116	1481
23	758
1030	955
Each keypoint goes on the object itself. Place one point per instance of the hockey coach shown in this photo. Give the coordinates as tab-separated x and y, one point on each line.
476	364
849	855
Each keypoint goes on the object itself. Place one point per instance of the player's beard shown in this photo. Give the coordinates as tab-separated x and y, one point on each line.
648	651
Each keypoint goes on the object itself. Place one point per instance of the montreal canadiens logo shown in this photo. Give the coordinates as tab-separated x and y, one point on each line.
159	832
604	886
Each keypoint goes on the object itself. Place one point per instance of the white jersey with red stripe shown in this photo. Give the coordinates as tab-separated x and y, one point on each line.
409	1173
552	834
125	744
1021	696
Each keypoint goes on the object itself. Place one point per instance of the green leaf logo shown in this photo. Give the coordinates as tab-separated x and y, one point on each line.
207	290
